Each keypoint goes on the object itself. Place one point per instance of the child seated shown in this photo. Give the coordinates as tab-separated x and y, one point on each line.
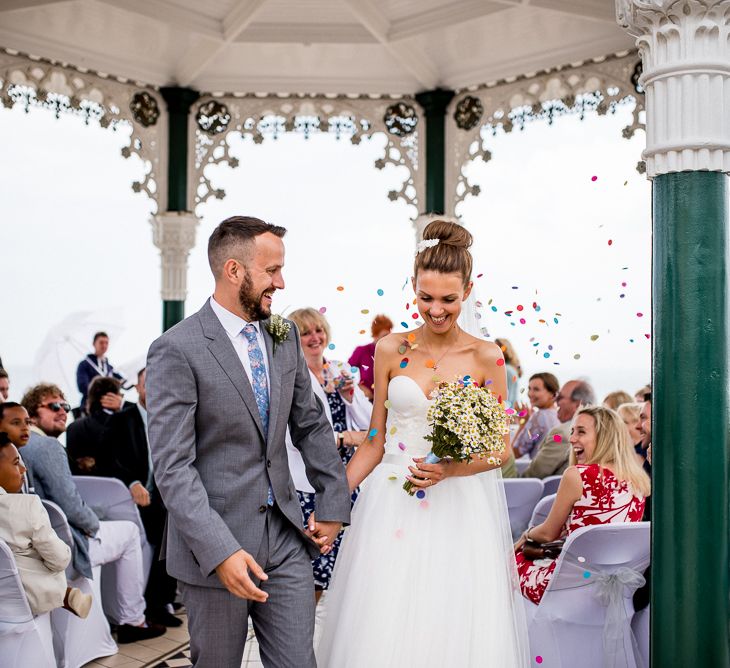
41	556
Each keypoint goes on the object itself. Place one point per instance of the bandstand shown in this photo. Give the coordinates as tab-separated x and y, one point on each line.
437	78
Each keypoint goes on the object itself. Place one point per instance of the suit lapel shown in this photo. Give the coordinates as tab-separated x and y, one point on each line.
223	351
274	377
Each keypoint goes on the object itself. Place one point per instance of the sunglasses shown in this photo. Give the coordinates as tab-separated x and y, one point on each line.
56	406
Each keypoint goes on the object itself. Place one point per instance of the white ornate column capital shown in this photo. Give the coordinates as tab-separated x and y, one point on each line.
685	51
173	232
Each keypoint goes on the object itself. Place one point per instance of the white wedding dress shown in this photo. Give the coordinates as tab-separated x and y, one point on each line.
425	582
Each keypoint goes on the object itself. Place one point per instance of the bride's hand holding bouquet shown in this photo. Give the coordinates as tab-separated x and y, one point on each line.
467	422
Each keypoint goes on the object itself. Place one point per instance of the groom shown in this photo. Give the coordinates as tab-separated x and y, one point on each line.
222	387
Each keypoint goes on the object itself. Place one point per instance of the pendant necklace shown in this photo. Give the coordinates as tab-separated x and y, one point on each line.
433	363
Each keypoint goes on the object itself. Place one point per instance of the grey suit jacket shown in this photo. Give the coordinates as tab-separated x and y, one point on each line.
50	476
552	456
211	462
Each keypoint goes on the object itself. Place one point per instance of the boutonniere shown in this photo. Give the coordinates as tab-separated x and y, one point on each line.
279	329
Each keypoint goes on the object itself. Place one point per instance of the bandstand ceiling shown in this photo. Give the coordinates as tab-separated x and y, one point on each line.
313	46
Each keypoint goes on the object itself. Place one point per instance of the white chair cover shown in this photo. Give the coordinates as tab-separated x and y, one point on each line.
24	640
551	484
522	463
110	499
640	627
522	495
78	641
584	618
542	510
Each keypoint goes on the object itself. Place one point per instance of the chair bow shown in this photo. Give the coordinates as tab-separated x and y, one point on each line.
611	592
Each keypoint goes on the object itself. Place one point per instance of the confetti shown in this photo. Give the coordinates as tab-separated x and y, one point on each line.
582	560
372	433
323	309
402	446
340	288
393	430
421	494
404	324
639	315
430	364
404	363
380	292
594	178
500	362
520	307
415	316
594	337
558	438
387	403
576	356
610	242
538	659
392	477
586	574
546	355
494	308
424	504
402	349
480	275
354	369
647	335
365	311
411	337
522	321
399	533
362	331
331	346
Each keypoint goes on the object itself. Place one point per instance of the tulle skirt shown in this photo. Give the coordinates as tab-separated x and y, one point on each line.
429	582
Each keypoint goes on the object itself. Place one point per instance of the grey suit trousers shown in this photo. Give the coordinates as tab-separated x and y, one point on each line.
284	625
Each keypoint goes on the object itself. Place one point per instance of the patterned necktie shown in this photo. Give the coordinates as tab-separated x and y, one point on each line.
260	385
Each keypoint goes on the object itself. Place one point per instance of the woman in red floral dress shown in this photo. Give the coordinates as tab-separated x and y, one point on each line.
604	484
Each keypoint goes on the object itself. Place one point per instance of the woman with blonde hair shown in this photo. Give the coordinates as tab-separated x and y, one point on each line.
614	399
604	484
347	410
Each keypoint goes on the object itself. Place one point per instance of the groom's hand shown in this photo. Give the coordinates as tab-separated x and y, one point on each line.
233	573
323	533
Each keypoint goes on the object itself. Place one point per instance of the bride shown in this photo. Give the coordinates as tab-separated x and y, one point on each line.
427	580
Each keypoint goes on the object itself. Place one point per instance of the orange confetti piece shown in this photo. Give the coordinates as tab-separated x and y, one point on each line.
340	288
431	364
411	337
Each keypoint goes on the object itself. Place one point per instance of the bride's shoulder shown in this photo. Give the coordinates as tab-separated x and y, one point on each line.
389	345
487	351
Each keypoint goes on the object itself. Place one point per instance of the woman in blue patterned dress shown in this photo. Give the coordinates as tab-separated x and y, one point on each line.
347	409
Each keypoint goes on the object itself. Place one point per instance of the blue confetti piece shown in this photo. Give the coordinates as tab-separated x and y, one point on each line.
372	433
331	346
586	574
546	355
405	324
354	369
420	494
380	292
494	308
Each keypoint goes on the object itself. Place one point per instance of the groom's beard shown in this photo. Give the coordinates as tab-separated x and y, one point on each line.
251	302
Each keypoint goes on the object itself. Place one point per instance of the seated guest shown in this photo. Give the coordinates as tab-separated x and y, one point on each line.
554	452
348	411
630	413
542	391
14	422
95	542
93	365
127	447
4	385
363	357
615	399
84	436
40	555
604	484
641	392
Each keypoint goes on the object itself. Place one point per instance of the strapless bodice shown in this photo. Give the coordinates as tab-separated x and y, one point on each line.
407	423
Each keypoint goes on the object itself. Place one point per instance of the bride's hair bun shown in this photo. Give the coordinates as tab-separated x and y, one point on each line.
450	255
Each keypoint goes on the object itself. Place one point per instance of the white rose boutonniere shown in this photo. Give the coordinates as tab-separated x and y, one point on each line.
279	329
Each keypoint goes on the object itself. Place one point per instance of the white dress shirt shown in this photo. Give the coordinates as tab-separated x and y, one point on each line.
234	325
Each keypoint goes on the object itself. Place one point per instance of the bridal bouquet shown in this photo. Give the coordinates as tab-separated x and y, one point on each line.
467	420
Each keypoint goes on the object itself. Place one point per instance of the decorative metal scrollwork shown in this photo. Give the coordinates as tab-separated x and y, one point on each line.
468	112
213	117
144	109
400	119
636	75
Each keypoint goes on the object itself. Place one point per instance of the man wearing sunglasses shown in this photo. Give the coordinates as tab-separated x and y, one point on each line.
95	542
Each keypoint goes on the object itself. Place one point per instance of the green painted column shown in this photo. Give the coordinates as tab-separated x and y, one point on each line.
179	101
434	104
690	608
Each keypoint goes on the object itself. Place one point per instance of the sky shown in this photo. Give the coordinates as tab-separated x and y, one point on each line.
562	222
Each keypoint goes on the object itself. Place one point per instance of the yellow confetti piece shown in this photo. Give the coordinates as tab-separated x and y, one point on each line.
393	430
392	477
362	331
387	403
365	311
594	337
576	356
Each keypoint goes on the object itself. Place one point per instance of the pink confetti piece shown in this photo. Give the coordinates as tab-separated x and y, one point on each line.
558	438
402	446
399	533
424	504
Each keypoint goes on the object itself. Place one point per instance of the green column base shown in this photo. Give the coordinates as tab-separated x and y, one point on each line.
690	607
172	313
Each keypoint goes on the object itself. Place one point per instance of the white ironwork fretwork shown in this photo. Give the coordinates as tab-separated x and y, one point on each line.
685	50
505	106
348	118
33	83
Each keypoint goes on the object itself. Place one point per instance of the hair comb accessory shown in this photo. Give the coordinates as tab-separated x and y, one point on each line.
426	243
